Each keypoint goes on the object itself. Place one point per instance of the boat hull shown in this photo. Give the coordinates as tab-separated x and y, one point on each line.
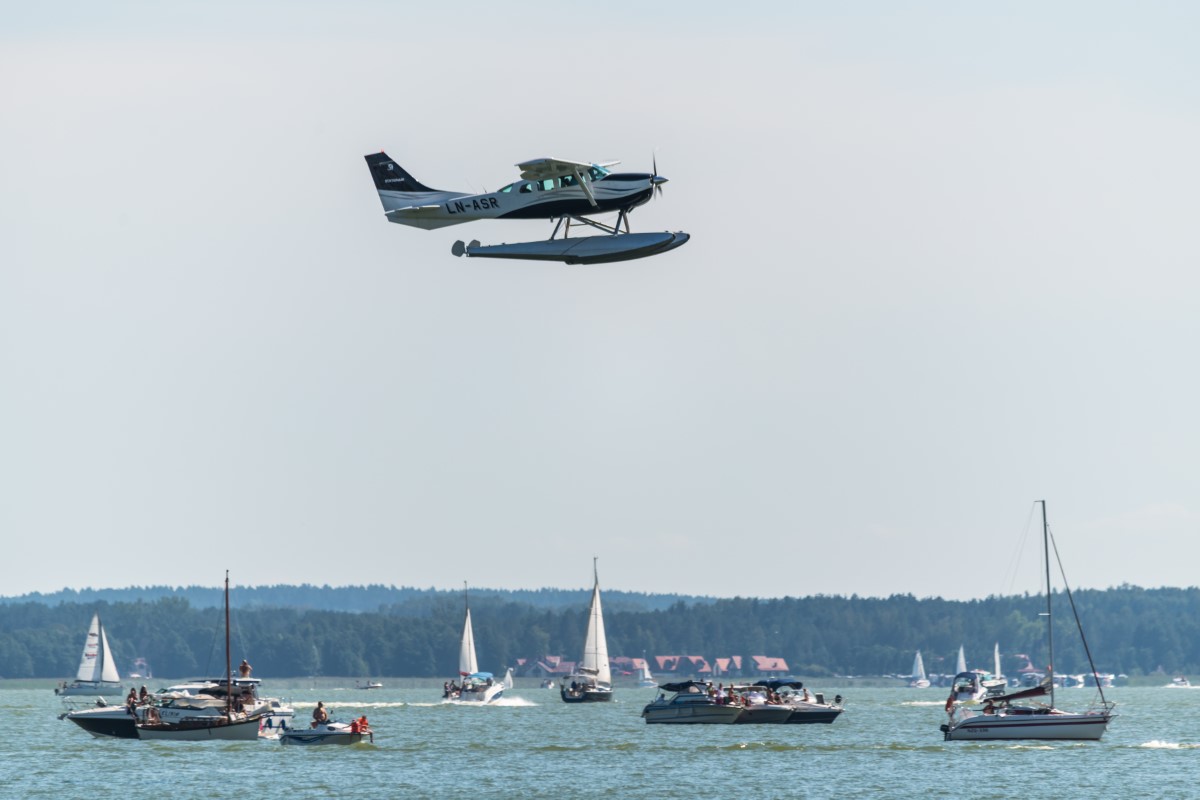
691	714
482	695
586	696
114	723
310	739
91	689
245	730
764	715
809	716
991	727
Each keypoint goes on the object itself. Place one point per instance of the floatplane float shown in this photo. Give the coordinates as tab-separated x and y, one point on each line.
561	191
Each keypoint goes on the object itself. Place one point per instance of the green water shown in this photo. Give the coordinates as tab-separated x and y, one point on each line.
886	745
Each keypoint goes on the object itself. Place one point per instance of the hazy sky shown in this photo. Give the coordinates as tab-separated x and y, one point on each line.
944	263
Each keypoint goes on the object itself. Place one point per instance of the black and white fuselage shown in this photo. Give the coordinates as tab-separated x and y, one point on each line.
549	189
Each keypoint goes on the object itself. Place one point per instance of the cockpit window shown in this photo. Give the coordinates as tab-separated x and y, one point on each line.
526	188
508	188
569	180
597	172
547	184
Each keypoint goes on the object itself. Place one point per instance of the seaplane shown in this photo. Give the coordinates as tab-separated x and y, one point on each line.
554	189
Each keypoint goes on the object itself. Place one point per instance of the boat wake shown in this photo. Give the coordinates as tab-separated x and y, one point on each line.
941	702
506	702
348	704
1160	745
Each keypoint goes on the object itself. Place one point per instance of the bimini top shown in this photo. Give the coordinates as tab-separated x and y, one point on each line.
775	684
686	686
480	676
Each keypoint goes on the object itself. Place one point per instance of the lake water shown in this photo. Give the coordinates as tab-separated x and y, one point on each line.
886	745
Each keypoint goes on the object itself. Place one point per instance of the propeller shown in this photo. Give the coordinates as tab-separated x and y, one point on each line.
655	179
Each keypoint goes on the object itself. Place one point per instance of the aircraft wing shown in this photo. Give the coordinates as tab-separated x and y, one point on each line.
542	168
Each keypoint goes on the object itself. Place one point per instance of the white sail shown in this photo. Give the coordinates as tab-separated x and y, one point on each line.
996	662
918	668
595	646
508	679
96	663
467	665
961	666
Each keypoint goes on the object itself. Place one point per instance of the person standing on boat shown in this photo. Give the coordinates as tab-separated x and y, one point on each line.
320	715
244	669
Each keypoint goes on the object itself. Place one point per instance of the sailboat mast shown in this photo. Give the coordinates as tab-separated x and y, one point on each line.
228	665
1049	615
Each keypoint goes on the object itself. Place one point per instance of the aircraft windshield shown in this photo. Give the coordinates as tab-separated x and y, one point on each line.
597	172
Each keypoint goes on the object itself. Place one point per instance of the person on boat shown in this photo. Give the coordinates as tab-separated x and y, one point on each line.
446	689
143	696
362	723
355	727
132	700
320	715
244	669
989	707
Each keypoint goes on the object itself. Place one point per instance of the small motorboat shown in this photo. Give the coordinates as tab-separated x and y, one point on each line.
328	733
692	702
368	685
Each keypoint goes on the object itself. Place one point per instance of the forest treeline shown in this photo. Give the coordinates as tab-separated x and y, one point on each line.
1130	630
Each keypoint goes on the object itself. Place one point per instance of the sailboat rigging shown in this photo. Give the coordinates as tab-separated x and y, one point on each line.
1003	719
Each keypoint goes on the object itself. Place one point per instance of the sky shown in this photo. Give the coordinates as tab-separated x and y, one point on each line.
943	264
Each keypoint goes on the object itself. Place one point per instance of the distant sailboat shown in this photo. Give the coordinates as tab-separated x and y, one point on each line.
97	674
919	679
961	664
477	687
592	683
645	679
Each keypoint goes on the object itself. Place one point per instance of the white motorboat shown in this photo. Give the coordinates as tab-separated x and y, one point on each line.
691	703
592	683
97	674
1003	718
370	684
806	707
477	687
1179	682
328	733
918	680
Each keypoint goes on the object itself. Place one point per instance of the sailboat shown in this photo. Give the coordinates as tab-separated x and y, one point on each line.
97	673
592	682
1004	718
961	664
201	717
645	679
919	679
477	687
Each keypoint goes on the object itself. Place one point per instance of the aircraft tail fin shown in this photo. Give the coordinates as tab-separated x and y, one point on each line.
390	176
